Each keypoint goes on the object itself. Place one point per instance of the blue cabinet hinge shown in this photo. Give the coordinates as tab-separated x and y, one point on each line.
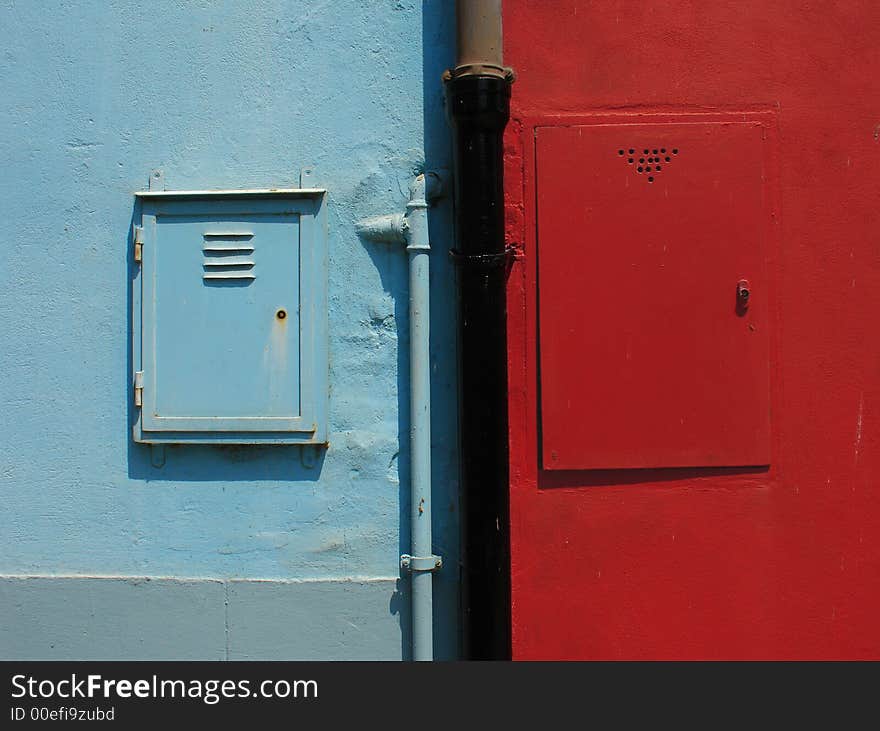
138	238
139	388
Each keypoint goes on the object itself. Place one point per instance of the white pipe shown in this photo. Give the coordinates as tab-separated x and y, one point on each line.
412	229
418	248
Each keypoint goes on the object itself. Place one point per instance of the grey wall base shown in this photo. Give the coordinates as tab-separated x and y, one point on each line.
128	618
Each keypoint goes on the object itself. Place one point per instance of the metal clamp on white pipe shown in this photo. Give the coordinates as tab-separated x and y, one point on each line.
412	229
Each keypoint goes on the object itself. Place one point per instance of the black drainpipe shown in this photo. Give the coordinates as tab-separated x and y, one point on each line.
478	101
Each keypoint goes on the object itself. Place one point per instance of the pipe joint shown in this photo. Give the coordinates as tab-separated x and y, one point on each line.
480	69
391	228
425	189
481	102
410	228
428	187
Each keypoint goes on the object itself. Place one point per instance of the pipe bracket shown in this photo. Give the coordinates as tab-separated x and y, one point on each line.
419	564
480	69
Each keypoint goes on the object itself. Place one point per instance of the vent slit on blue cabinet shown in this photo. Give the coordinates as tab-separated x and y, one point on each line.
223	249
228	256
230	262
229	275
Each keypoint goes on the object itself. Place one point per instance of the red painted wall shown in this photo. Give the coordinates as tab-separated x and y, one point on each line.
713	562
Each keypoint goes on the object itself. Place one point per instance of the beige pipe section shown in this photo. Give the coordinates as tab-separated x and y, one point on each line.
480	50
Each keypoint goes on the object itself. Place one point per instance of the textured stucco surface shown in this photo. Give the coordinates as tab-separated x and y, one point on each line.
217	95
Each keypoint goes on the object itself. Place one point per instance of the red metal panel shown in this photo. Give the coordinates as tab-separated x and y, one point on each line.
652	353
697	562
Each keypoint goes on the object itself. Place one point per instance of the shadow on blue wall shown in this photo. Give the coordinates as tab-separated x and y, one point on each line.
438	54
383	256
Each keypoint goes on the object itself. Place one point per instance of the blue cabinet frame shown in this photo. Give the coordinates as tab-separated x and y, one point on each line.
230	317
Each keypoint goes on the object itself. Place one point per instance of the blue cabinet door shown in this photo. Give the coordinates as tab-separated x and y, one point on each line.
232	320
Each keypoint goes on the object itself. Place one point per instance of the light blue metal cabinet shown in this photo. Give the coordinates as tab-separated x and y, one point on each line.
230	317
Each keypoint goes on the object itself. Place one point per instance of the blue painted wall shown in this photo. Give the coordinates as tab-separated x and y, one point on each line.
230	94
